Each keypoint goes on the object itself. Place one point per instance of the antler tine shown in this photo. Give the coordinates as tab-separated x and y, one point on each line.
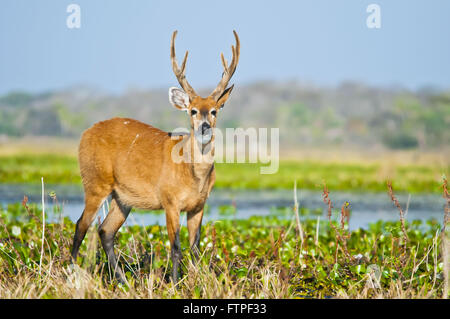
224	61
228	70
176	69
183	65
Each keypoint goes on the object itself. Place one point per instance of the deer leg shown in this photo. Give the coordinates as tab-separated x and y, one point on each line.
173	230
117	215
194	225
92	204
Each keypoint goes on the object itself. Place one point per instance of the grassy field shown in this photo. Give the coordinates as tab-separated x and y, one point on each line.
261	257
26	160
355	176
275	256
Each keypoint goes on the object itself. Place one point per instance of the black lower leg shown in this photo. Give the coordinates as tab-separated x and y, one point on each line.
108	245
176	257
77	240
195	248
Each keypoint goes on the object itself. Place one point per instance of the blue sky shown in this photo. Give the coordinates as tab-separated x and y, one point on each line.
125	44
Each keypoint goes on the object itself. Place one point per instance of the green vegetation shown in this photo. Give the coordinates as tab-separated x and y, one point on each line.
261	257
355	177
358	177
411	123
29	168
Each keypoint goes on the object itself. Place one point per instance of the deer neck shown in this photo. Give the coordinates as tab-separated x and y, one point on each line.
202	160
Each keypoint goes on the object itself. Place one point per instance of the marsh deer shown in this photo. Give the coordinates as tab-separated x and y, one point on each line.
132	161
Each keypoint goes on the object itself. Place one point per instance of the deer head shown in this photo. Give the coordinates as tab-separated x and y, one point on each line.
203	111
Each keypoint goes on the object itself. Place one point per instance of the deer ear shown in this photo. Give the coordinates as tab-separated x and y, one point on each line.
224	97
179	98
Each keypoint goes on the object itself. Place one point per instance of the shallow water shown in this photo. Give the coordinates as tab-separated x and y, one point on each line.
365	207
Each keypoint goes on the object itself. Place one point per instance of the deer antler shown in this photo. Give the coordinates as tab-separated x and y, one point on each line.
228	70
180	73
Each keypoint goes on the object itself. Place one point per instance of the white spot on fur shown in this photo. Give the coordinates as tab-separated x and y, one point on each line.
132	143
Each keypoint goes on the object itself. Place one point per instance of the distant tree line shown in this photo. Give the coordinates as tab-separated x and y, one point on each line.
349	114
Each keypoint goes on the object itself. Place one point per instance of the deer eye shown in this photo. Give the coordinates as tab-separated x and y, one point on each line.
193	112
213	113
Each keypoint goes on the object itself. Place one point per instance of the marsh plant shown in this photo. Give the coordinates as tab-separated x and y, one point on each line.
259	257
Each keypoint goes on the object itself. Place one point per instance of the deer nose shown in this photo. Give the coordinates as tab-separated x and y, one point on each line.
205	127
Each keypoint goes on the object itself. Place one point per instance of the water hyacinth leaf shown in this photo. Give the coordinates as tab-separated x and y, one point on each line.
242	272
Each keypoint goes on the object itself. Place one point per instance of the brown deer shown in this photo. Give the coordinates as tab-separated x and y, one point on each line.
132	161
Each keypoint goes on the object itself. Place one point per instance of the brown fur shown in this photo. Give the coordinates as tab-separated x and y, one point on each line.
133	159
